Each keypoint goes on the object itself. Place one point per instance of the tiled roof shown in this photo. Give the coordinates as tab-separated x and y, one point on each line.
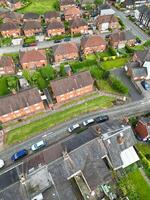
67	2
106	19
30	16
8	26
78	22
55	24
51	14
6	61
19	100
92	41
122	36
74	82
143	55
72	10
65	48
31	25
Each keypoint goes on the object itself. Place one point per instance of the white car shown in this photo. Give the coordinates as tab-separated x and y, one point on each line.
88	121
1	163
38	145
73	127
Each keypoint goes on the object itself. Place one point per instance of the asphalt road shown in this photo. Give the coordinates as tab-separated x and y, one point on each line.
131	26
58	133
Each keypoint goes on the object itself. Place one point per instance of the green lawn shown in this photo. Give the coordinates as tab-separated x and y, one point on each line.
3	86
135	182
39	6
105	86
144	148
26	131
111	64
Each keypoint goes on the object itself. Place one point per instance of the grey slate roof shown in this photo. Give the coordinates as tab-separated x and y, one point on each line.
30	16
8	26
29	25
143	55
122	36
55	24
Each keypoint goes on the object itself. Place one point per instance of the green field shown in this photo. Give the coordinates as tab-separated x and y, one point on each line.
39	6
3	86
117	63
26	131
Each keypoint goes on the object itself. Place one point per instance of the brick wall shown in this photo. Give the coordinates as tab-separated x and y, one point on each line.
9	33
71	17
89	50
32	32
33	65
54	32
81	29
61	58
7	70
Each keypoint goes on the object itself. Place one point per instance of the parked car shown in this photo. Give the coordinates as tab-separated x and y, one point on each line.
73	127
38	145
145	85
101	119
25	45
57	41
67	39
88	122
1	163
19	154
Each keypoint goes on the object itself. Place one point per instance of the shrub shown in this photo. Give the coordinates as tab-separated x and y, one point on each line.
112	51
129	49
147	43
118	85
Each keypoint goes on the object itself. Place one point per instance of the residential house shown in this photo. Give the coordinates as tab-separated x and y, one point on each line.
33	59
31	17
71	13
52	15
20	104
103	9
66	4
31	28
78	25
55	27
10	30
106	22
142	128
65	51
142	14
92	44
11	17
121	38
132	4
70	87
7	65
14	4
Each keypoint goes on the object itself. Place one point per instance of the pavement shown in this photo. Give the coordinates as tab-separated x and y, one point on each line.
58	133
131	26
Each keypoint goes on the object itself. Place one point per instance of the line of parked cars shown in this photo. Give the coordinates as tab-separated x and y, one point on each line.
88	122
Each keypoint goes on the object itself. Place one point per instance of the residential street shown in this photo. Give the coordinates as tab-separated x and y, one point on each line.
131	26
58	133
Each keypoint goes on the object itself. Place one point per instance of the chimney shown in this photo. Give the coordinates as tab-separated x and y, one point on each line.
98	130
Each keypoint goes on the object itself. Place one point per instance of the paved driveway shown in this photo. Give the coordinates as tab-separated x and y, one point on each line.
135	95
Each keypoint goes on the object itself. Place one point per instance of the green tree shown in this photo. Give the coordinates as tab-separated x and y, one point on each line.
62	71
118	85
12	83
27	75
48	73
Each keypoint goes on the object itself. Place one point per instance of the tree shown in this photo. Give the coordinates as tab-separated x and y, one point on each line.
62	71
118	85
98	2
48	73
12	83
27	75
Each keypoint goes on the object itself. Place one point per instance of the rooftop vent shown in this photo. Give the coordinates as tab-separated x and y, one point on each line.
120	139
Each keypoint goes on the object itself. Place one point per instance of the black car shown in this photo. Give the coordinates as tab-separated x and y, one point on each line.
57	41
101	119
25	45
67	39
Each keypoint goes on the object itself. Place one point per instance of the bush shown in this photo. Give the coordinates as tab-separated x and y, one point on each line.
62	70
129	49
147	43
118	85
112	51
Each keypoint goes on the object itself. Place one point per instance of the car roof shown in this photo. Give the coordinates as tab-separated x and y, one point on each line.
40	143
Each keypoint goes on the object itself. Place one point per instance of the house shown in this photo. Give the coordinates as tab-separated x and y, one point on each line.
31	17
31	28
7	65
10	30
103	9
121	38
142	14
33	59
65	51
52	15
106	22
14	4
142	128
11	17
71	13
55	27
92	44
72	86
78	25
20	104
66	4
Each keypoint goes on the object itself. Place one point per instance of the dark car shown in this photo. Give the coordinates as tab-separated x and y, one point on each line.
101	119
145	85
67	39
25	45
19	154
57	41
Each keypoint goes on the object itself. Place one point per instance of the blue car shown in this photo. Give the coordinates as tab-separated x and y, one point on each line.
19	154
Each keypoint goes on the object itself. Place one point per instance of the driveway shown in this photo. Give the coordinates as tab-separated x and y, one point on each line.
135	95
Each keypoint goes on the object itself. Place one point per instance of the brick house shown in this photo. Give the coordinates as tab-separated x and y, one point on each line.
142	128
11	17
31	28
66	4
122	38
20	104
31	17
10	30
78	25
55	28
65	51
106	22
72	86
71	13
33	59
52	15
7	65
14	4
92	44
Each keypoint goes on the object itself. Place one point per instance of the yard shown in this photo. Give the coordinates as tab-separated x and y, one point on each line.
112	64
3	86
17	135
136	186
39	6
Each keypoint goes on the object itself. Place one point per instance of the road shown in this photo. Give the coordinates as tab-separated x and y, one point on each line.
131	26
58	133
